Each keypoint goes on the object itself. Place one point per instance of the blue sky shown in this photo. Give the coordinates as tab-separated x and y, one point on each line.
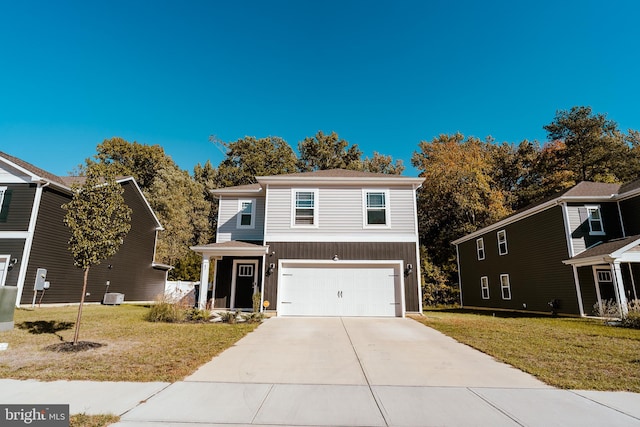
382	74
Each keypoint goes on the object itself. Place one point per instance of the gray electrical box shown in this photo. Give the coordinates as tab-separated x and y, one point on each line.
41	277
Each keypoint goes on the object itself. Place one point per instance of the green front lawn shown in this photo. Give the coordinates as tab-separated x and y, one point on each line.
563	352
134	349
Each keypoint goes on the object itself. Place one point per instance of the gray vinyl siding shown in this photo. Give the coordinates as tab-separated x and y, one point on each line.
629	209
14	248
346	251
18	207
579	227
228	220
340	210
131	274
536	248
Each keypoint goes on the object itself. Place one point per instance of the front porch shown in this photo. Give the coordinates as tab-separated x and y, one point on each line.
607	272
239	270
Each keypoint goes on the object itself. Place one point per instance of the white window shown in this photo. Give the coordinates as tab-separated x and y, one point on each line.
376	208
484	286
604	276
595	220
245	270
506	286
480	248
246	214
305	208
502	242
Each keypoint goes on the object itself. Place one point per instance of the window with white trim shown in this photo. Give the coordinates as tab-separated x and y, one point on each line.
595	220
502	242
376	208
505	285
245	270
305	208
604	276
246	214
480	248
484	286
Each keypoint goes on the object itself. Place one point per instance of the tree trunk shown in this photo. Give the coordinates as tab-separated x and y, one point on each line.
84	292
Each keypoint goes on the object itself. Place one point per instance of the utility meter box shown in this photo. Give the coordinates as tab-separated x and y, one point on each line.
41	277
113	298
8	296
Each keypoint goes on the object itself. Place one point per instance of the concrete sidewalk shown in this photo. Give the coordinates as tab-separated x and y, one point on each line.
341	372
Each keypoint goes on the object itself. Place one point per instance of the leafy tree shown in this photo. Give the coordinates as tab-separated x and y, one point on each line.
206	176
436	287
249	157
461	194
176	198
179	201
594	148
322	152
380	163
98	219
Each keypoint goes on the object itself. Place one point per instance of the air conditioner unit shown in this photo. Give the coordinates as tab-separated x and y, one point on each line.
113	298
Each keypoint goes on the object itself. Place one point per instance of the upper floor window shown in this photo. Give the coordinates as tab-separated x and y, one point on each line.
376	208
595	220
502	242
246	216
480	248
305	208
506	286
484	286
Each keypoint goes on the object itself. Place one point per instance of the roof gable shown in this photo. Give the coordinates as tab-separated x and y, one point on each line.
35	172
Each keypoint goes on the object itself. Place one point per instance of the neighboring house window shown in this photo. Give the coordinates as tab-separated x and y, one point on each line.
484	285
595	220
480	248
246	216
506	286
305	207
376	208
502	242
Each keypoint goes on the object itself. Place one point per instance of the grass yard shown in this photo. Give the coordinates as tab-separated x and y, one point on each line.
134	349
567	353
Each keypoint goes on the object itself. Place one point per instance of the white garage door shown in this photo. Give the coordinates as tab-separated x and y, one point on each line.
340	289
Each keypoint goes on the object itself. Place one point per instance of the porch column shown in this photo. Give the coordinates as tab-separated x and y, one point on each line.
619	285
578	291
633	282
204	282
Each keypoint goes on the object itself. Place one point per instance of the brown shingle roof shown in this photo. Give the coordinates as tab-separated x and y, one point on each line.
630	186
607	248
34	169
339	173
592	189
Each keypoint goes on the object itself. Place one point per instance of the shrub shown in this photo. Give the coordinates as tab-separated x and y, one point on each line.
632	319
257	297
196	315
255	317
230	317
165	310
608	310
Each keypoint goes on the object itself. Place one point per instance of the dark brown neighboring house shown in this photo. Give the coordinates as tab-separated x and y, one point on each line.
325	243
568	254
33	236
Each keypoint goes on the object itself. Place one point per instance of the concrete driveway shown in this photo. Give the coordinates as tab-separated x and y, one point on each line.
369	372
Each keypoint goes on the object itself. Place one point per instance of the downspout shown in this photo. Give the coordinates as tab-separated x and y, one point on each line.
26	252
459	275
578	291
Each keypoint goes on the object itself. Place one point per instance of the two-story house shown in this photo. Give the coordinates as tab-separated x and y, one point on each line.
33	237
326	243
567	254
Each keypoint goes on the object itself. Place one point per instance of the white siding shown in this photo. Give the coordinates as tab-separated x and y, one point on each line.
228	220
341	215
578	243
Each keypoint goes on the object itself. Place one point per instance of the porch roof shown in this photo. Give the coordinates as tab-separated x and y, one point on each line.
626	249
231	248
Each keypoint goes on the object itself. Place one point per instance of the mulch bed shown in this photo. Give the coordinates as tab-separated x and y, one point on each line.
69	347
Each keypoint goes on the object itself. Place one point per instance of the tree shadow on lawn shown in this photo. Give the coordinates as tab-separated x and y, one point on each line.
40	327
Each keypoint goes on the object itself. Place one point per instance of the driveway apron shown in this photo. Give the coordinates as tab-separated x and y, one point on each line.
365	372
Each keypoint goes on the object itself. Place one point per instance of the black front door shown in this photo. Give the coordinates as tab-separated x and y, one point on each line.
245	283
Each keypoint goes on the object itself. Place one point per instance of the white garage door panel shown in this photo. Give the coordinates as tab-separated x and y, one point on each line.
316	290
